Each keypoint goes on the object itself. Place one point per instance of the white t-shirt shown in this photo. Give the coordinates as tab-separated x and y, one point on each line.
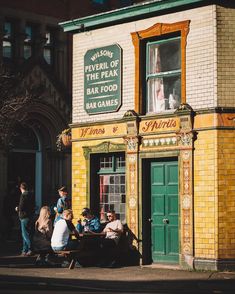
114	225
61	233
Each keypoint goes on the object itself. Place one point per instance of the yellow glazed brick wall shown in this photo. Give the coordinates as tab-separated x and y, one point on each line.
226	53
200	59
214	194
226	193
205	195
78	180
79	174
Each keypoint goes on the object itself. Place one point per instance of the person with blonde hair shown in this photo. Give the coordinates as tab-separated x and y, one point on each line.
42	235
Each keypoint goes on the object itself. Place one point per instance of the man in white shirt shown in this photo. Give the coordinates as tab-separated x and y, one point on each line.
113	231
64	227
114	227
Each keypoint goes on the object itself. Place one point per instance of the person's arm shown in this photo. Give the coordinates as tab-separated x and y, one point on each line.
119	228
76	233
79	226
50	231
22	205
60	206
72	229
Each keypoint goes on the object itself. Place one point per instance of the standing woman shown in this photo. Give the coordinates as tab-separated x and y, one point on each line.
42	235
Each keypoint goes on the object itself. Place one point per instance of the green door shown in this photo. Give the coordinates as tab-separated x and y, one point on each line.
164	212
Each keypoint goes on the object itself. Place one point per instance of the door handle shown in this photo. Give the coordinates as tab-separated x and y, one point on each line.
165	221
150	220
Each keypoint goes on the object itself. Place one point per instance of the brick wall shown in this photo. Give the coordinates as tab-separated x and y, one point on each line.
205	195
226	193
226	53
214	194
200	59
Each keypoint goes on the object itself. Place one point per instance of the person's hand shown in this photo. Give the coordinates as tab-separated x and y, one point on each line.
16	209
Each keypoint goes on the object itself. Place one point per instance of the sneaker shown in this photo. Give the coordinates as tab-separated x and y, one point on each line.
23	254
29	253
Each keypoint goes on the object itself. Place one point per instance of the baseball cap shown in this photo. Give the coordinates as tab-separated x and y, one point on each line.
85	211
63	189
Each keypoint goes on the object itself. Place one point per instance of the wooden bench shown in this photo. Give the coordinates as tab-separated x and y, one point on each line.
71	255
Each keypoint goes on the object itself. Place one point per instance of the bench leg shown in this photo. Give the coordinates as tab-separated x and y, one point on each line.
72	264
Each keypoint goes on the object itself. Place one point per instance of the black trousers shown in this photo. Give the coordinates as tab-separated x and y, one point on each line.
109	250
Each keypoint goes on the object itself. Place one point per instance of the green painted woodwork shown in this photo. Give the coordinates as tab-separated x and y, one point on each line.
164	211
104	147
142	10
102	79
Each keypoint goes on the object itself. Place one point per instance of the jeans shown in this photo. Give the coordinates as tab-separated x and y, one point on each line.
25	231
71	245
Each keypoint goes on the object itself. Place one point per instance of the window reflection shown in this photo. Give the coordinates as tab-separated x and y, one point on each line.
163	75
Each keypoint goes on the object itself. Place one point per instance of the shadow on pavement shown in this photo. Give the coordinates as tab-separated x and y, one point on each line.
46	284
45	281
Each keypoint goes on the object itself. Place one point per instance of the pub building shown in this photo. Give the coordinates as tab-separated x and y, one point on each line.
153	127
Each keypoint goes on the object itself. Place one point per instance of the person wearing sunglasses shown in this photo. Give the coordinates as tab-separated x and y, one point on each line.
113	231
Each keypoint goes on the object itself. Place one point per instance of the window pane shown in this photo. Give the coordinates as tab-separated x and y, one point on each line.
27	51
7	49
164	93
48	38
28	33
47	55
106	162
7	29
164	57
112	198
120	161
101	2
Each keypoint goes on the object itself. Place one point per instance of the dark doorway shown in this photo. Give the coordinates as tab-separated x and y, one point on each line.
21	168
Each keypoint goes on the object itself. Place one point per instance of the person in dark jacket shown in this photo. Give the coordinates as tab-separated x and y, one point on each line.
25	211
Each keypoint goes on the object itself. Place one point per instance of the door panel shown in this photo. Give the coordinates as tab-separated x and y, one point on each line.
164	211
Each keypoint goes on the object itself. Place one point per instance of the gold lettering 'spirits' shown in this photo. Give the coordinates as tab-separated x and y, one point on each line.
154	125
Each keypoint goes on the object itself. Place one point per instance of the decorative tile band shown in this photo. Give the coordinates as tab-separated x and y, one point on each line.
166	141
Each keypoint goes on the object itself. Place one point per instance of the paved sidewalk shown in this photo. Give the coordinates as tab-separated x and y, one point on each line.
17	272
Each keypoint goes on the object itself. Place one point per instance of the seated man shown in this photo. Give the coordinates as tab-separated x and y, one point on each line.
90	224
113	231
64	227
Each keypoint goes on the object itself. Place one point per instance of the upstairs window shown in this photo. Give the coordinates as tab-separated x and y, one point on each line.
7	43
48	47
160	78
99	2
28	41
163	75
